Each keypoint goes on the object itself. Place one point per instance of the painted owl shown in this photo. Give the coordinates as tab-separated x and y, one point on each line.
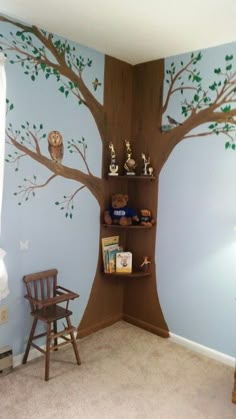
55	146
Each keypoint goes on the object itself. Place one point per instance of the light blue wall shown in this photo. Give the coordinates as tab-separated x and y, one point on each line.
54	241
196	243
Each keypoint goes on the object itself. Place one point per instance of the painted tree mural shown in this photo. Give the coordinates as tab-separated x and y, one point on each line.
200	105
39	53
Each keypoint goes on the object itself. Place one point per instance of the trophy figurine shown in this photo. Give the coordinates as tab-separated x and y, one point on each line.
146	163
150	171
113	166
129	163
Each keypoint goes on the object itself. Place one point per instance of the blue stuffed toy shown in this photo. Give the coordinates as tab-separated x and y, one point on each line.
119	212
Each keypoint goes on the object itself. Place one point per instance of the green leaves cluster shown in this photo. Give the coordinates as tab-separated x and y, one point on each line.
72	143
67	205
37	58
223	73
26	191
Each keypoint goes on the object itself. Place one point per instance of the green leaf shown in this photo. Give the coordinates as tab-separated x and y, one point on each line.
61	89
217	70
197	78
227	145
57	203
199	56
11	107
212	87
196	98
229	57
43	66
228	67
33	77
226	108
233	147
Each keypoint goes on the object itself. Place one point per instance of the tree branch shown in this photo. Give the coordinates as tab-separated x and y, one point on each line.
173	80
63	69
26	191
93	183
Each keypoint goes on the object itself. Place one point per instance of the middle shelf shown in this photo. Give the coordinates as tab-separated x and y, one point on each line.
131	227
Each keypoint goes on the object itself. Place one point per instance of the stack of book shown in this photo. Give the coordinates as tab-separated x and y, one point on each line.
114	258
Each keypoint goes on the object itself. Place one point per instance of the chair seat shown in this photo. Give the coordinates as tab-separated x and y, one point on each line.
51	313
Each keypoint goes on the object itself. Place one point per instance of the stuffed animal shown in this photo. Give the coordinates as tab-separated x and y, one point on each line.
119	212
146	218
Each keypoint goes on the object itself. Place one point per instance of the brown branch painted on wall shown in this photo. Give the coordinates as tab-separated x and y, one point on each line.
57	57
93	183
211	106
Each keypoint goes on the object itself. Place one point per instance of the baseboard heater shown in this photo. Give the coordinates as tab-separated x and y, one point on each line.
6	360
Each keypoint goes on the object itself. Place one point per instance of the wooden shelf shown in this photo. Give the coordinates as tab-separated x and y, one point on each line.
132	227
136	274
131	177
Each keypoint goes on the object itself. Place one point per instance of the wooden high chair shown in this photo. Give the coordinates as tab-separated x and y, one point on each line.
44	296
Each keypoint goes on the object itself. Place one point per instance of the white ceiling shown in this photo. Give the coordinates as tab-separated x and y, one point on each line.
133	30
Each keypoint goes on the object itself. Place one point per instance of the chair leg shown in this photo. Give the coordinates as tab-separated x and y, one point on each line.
47	354
234	389
29	341
73	341
55	331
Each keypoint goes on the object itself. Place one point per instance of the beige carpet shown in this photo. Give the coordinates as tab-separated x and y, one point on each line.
126	373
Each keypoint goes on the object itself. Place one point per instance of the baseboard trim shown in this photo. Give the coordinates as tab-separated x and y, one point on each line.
98	326
203	350
146	326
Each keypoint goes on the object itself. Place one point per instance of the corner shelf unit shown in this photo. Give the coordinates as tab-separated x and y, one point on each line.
131	177
137	181
135	274
131	227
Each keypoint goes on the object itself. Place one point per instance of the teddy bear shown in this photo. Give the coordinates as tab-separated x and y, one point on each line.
119	212
146	218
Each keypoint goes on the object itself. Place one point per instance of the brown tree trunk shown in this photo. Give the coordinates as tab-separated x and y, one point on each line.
141	302
131	94
105	305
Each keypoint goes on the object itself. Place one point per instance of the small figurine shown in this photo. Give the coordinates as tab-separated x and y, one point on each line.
146	218
150	171
146	163
130	163
145	265
113	166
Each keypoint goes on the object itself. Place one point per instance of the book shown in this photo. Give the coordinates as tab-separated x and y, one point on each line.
124	262
109	244
112	258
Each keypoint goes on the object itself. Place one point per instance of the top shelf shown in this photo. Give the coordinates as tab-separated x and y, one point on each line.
131	177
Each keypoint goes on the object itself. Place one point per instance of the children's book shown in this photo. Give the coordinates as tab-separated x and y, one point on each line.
124	262
109	244
112	258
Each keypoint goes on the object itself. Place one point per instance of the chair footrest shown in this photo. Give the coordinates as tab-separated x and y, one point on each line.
66	331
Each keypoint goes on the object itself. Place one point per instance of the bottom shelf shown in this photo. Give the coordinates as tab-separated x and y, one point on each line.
136	274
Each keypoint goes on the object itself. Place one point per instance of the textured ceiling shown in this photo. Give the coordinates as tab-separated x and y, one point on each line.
133	30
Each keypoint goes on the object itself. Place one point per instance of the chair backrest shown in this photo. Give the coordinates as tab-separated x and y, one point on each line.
41	286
